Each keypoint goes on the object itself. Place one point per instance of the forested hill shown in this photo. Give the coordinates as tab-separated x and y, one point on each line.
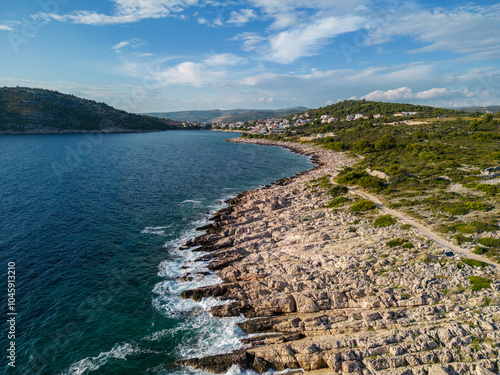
44	111
370	108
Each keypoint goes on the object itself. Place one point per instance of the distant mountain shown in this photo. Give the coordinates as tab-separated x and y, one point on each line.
492	109
232	115
366	107
26	110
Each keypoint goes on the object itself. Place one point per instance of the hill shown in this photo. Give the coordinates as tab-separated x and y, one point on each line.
490	109
27	110
231	115
370	108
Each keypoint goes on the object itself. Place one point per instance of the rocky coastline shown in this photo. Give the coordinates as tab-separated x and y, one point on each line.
324	291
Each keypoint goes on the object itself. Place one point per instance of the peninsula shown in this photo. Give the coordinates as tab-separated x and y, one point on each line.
335	279
36	111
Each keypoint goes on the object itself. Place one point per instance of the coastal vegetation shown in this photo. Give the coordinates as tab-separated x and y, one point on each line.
26	110
440	166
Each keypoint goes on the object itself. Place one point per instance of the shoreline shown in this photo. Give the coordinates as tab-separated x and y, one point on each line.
324	290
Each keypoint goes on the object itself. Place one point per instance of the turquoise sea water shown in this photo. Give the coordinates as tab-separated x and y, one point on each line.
93	224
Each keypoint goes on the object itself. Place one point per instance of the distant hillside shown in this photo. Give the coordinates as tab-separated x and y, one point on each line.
492	109
351	107
42	111
232	115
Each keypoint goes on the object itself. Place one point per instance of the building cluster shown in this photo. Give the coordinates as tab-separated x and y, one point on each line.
281	125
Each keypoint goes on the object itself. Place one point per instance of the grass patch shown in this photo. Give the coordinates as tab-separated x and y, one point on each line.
363	205
479	282
408	245
406	226
338	190
397	242
475	227
384	221
462	239
337	202
489	242
457	209
474	263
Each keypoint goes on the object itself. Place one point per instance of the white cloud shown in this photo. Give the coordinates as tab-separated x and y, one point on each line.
145	54
241	17
390	95
5	27
223	59
465	30
305	40
134	43
126	11
251	41
437	92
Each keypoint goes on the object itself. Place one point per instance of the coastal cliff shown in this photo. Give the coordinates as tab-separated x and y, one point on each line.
325	287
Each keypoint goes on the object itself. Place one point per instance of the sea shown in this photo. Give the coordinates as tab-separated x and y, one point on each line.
91	225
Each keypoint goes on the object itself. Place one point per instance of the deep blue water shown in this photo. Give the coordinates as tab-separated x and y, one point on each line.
93	224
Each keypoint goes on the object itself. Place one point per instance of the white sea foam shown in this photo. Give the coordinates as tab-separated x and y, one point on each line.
93	363
194	202
160	231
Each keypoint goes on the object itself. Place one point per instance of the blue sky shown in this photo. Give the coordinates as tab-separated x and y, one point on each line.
169	55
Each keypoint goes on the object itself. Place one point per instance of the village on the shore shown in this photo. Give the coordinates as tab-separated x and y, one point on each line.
281	125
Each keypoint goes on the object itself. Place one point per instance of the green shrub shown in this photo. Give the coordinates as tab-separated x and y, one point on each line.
337	202
363	205
478	206
488	189
475	227
479	250
479	282
474	263
456	209
461	239
396	242
384	221
371	182
408	245
338	190
406	226
489	242
348	177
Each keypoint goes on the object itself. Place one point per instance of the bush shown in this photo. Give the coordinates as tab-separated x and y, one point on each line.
396	242
384	221
456	209
461	239
338	190
477	206
489	242
479	282
479	250
408	245
350	177
371	182
363	205
474	263
406	226
337	202
475	227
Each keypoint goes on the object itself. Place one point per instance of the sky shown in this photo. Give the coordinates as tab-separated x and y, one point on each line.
173	55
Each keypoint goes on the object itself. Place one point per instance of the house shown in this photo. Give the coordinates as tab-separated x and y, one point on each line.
358	116
349	118
277	130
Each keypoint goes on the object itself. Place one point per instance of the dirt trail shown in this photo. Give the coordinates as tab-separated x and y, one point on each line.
446	245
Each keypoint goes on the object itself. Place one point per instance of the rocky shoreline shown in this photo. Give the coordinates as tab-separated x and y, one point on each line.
323	289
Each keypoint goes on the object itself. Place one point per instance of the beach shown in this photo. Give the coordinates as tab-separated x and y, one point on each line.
324	289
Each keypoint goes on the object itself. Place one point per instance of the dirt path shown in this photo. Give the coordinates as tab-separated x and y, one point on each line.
446	245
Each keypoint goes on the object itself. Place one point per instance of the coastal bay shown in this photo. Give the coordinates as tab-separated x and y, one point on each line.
325	288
